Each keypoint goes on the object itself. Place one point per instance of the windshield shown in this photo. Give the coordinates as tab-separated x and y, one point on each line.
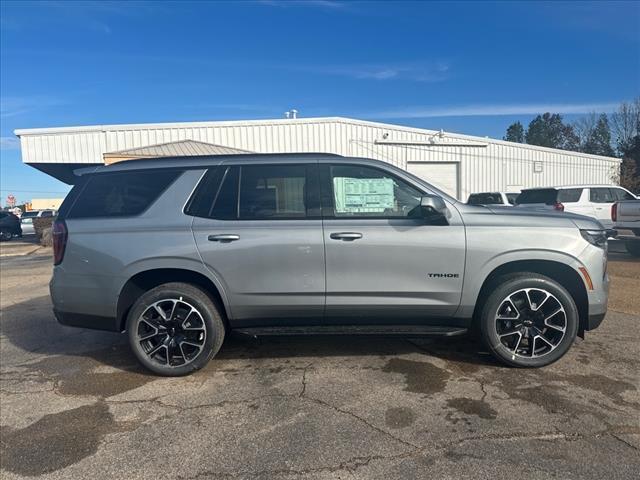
29	214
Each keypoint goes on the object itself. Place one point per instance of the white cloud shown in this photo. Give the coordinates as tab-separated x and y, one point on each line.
491	110
417	72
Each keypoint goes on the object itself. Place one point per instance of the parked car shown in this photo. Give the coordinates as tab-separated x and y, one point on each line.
9	226
27	219
177	253
591	200
492	198
626	216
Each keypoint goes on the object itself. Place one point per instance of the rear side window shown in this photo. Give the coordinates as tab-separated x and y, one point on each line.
121	194
601	195
544	195
569	195
485	199
273	191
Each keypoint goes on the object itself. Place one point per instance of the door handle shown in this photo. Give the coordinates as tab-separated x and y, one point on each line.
347	236
224	238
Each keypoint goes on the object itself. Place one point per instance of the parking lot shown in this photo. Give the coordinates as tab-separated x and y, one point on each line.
74	403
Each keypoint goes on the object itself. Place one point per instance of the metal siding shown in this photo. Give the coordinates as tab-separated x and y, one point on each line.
480	168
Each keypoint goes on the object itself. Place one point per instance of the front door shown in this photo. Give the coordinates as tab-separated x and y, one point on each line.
263	241
382	263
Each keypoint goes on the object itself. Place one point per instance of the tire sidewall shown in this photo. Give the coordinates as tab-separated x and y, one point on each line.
192	295
488	327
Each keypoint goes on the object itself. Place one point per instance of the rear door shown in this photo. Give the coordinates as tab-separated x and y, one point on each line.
262	238
382	264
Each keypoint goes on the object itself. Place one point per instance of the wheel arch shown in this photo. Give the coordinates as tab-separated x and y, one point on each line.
145	280
562	273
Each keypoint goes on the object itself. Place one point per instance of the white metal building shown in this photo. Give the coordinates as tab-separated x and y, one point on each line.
460	164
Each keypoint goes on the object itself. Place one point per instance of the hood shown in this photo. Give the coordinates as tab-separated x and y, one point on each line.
581	221
509	216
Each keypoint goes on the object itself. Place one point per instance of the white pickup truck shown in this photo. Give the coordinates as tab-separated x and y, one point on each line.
626	216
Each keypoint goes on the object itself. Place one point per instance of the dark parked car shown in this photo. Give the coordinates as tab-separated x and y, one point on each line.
9	226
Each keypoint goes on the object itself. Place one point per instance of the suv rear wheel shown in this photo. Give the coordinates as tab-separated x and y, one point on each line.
529	320
175	329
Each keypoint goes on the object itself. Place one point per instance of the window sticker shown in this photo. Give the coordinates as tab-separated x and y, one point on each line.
363	195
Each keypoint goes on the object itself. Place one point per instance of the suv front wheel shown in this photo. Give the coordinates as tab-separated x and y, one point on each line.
174	329
529	320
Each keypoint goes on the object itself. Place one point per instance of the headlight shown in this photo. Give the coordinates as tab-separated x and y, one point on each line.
595	237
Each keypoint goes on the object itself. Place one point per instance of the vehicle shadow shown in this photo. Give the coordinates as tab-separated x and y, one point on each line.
31	327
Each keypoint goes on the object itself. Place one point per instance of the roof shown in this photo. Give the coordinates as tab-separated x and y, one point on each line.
182	148
301	121
199	161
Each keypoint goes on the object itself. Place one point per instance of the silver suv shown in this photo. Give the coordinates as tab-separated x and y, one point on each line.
178	252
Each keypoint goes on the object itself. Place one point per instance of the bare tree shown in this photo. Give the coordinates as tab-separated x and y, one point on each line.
584	127
625	124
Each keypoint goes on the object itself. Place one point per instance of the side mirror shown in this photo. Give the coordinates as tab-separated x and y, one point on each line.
434	210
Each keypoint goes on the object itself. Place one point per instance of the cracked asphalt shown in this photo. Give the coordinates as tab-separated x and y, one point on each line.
74	403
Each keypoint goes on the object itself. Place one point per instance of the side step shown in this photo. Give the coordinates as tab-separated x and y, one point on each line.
383	330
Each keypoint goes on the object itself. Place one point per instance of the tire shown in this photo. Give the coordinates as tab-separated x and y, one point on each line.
633	247
175	329
5	235
518	323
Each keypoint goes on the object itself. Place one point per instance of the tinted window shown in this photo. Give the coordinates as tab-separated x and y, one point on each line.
601	195
120	194
226	202
202	199
543	195
29	214
569	195
511	198
47	213
620	194
272	191
369	192
485	199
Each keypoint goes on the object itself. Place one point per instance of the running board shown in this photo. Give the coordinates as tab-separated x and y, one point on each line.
383	330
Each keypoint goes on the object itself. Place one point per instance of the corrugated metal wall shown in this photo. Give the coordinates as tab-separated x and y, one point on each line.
494	166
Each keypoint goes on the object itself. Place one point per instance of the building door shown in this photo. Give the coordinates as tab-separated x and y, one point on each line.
443	175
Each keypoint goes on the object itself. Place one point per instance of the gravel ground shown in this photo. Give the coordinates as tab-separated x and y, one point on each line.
74	403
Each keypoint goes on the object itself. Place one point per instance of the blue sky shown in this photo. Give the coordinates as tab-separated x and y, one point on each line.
469	67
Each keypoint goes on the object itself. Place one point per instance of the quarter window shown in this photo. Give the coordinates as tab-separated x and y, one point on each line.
569	195
601	195
369	192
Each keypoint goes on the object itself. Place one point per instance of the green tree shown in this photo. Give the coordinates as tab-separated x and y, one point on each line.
598	140
548	130
515	133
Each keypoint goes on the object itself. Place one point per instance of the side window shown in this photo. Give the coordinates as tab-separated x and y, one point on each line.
369	192
226	201
620	194
47	213
273	192
121	194
569	195
511	198
601	195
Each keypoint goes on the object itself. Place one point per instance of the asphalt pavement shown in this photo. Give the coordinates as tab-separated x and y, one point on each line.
75	404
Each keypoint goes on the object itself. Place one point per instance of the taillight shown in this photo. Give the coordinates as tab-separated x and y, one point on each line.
558	206
59	234
614	212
